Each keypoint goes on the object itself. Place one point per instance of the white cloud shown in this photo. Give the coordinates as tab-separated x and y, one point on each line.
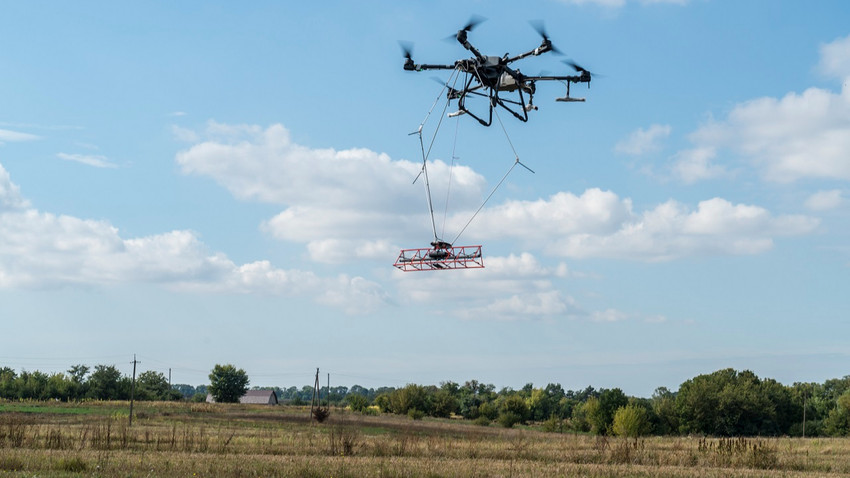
14	136
835	58
600	224
643	141
696	165
339	201
95	160
10	194
825	200
805	135
609	315
523	287
265	165
39	249
356	204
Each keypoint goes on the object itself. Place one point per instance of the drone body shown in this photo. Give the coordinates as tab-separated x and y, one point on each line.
488	76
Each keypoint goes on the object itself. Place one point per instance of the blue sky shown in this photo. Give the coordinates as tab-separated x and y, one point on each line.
211	182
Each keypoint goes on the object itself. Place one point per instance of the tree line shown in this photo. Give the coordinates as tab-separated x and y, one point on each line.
723	403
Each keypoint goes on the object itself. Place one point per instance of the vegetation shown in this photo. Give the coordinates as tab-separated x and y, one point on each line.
227	383
726	403
236	440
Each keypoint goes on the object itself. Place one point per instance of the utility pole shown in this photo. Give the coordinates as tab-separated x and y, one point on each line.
169	377
133	388
804	411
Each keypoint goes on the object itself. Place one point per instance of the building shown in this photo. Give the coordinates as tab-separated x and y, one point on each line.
261	397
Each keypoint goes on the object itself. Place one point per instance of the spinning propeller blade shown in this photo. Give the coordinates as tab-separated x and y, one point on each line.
540	28
406	49
473	22
576	67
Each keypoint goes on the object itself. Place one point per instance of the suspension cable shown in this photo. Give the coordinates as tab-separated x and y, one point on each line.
424	171
493	191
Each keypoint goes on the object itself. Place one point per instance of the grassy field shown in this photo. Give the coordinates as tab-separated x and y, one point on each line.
215	440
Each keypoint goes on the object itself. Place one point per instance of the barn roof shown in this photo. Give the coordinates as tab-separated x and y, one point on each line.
264	397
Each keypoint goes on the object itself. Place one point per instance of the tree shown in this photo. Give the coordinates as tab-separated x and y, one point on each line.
630	421
600	412
227	383
664	406
154	386
106	383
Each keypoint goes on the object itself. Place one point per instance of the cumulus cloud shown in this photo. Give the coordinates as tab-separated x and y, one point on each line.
10	194
643	141
521	284
801	135
835	58
696	165
336	201
600	224
356	204
39	249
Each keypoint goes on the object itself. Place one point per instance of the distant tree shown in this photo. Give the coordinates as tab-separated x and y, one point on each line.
578	417
664	406
513	409
444	403
600	411
227	383
7	383
837	423
412	396
725	403
630	421
186	390
357	402
106	383
153	385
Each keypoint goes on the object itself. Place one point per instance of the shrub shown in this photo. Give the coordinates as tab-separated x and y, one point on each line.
415	414
509	419
630	421
482	421
358	403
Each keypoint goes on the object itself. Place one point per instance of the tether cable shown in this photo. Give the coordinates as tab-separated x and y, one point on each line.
493	191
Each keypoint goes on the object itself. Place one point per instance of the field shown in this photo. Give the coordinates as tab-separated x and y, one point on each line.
47	439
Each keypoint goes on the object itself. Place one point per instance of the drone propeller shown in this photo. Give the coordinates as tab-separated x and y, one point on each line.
473	22
406	49
541	30
585	74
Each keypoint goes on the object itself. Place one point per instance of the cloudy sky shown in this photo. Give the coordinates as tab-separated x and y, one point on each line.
211	182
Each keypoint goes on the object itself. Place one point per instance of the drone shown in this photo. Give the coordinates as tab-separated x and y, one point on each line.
491	77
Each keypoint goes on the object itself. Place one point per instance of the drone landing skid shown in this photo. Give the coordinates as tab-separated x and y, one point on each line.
439	258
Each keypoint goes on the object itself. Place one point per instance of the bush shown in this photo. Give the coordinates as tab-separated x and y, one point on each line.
554	425
488	410
358	403
415	414
509	419
482	421
630	421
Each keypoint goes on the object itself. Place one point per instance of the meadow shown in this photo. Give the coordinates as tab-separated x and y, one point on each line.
55	439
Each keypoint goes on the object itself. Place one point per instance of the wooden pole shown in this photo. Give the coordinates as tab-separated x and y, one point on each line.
133	389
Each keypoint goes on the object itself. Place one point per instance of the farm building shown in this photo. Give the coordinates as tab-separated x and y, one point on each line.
261	397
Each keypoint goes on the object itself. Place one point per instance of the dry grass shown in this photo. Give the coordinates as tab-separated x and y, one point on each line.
169	439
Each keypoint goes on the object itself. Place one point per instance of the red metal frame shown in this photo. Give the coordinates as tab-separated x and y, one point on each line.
439	259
